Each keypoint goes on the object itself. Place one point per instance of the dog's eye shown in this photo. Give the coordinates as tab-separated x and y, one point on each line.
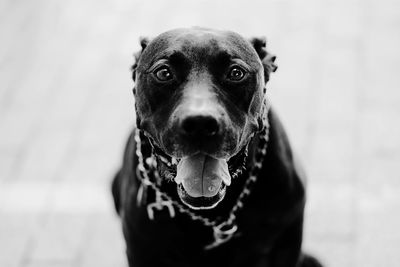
163	74
236	74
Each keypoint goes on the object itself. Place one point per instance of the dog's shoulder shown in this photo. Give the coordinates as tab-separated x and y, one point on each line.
283	148
278	143
281	162
125	173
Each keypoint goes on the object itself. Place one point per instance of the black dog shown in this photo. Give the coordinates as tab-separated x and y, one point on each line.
208	176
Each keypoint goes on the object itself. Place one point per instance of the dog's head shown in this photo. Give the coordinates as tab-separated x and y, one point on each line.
199	96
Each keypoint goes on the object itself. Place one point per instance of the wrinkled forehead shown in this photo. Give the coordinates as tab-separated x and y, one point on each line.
200	45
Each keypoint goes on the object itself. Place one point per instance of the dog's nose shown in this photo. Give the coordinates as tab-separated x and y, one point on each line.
200	125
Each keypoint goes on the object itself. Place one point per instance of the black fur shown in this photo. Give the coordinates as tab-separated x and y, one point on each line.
270	224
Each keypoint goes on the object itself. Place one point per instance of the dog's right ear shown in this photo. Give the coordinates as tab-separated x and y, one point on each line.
144	41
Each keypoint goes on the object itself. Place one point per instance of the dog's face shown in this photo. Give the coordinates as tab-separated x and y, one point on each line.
199	95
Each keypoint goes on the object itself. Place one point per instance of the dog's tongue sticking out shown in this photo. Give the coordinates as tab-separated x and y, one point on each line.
202	176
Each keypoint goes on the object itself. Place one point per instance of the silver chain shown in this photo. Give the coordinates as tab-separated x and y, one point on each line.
223	231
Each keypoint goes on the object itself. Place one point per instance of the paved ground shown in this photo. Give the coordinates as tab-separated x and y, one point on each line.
66	107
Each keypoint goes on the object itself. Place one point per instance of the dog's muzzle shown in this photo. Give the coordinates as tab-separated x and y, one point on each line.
202	144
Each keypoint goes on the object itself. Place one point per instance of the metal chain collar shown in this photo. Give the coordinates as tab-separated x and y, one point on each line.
223	231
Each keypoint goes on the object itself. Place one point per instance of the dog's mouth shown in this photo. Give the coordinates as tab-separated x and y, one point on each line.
202	180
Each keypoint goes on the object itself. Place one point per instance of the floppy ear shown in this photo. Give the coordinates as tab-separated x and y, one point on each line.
144	41
267	59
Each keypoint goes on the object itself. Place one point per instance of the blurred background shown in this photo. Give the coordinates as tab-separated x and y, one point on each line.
66	109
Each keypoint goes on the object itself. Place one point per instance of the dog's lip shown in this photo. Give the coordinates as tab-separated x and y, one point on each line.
201	203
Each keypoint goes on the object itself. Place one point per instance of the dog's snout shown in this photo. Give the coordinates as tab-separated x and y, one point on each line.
200	125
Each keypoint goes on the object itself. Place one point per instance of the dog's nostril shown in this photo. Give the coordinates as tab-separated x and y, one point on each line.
210	126
200	125
189	126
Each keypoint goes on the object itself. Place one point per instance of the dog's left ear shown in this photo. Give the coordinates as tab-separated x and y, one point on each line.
267	59
144	41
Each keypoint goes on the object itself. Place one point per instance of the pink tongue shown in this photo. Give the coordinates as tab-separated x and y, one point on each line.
201	175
